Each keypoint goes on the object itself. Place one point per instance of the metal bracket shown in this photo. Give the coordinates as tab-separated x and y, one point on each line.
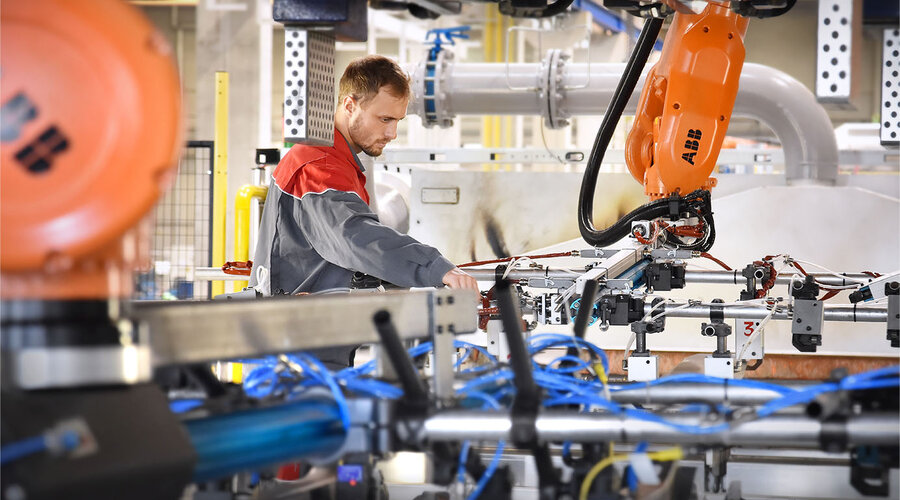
664	276
443	355
808	317
892	291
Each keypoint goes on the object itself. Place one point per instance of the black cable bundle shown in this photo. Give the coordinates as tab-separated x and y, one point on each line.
696	204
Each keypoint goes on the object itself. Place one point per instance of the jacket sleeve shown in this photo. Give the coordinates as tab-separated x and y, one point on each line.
345	232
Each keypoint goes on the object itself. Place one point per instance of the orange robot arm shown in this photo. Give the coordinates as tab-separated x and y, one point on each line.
686	102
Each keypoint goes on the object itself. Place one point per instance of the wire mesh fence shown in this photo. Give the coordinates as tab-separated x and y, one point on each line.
182	231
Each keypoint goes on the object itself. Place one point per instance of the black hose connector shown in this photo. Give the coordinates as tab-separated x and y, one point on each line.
527	393
413	388
585	312
586	309
528	396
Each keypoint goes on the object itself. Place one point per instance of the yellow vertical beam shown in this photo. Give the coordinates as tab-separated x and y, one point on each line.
504	128
492	133
220	177
487	121
497	57
242	200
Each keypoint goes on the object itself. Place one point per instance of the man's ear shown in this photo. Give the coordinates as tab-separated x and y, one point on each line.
349	104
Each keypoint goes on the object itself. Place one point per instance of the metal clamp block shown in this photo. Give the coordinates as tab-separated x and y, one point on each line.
643	368
718	367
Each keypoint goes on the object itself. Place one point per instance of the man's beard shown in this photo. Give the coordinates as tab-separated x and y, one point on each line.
374	149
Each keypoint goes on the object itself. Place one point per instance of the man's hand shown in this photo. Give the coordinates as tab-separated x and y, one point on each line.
458	279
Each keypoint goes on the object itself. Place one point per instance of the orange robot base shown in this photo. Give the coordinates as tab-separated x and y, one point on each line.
91	134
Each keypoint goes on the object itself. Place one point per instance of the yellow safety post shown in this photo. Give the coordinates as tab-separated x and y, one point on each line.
488	35
220	177
498	57
506	129
493	52
245	194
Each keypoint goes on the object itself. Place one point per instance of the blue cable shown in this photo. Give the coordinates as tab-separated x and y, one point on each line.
495	461
463	358
317	370
543	341
463	456
629	474
20	449
874	384
37	444
880	372
560	387
491	468
459	344
184	405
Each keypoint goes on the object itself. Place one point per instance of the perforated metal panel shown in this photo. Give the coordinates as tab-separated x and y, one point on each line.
835	48
890	88
308	86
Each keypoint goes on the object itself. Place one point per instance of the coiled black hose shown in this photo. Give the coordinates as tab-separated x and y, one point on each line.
623	92
695	204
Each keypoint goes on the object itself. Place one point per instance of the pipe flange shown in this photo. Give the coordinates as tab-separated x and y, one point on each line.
434	71
552	88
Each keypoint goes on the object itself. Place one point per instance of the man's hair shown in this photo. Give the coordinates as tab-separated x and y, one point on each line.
365	76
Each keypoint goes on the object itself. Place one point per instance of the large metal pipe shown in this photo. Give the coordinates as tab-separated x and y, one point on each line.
735	278
674	393
780	431
745	311
766	94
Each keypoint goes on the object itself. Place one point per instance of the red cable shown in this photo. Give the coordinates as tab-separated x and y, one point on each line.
717	261
821	286
238	268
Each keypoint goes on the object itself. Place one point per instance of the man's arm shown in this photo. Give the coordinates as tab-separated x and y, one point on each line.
345	232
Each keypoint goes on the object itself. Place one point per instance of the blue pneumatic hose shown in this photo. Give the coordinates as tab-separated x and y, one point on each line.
251	439
20	449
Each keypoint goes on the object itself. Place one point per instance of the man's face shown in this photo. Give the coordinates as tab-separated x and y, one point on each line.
373	123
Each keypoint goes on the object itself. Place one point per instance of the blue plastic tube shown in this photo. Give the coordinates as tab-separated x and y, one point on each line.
247	440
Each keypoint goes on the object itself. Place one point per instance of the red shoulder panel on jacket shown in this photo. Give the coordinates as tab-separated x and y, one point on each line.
315	169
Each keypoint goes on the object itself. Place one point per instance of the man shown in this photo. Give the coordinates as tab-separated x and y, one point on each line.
317	227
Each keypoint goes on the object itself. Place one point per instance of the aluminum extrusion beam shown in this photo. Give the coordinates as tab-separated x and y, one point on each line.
525	274
216	274
778	431
194	332
742	311
611	267
773	97
735	278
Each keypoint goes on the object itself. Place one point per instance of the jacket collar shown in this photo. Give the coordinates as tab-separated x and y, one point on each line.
342	145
